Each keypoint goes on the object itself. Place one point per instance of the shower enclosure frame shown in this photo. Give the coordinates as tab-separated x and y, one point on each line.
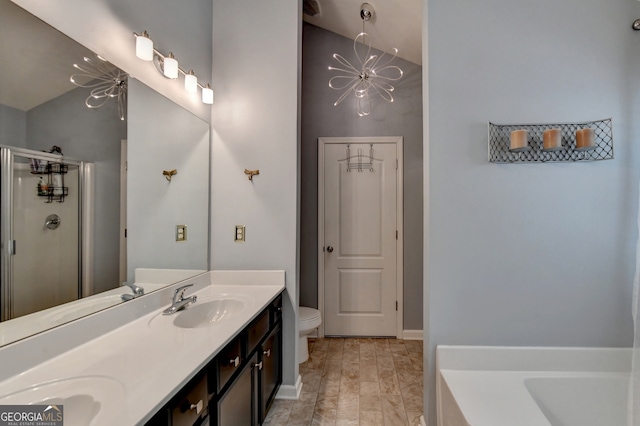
7	241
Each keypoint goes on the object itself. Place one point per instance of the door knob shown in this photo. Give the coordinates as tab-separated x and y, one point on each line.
330	249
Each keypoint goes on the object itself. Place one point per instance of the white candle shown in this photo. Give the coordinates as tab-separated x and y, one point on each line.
519	139
585	138
551	138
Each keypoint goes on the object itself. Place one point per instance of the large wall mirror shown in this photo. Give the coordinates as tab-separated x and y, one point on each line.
85	200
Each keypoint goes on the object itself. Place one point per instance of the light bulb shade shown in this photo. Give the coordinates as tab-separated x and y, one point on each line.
170	67
207	95
144	47
190	83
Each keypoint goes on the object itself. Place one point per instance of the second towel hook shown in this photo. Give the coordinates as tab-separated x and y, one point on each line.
168	174
251	173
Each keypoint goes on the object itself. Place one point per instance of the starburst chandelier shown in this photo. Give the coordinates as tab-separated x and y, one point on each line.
105	81
372	76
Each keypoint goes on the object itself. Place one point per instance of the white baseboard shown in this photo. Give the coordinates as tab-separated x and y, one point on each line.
289	391
412	334
422	421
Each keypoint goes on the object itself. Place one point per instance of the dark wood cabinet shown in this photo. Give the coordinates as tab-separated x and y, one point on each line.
271	372
239	385
236	406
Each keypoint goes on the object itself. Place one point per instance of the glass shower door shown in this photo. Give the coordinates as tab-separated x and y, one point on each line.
43	241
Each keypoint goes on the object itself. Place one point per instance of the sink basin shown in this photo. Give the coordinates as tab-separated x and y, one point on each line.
81	399
208	313
80	308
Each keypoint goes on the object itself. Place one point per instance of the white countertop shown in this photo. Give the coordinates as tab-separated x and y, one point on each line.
28	325
149	279
142	364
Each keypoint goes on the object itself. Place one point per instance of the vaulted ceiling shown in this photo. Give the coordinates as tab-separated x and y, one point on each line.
37	56
396	23
36	60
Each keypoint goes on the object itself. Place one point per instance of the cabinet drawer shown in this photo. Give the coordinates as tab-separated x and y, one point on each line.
257	330
187	409
227	363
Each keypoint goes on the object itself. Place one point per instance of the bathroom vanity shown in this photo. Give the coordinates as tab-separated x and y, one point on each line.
219	360
238	386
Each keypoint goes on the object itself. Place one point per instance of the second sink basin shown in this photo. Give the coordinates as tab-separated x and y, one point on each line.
208	313
84	399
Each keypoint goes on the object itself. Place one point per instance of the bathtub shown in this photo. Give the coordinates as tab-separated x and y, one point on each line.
532	386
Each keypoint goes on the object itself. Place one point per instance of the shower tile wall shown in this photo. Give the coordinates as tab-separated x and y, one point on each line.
46	261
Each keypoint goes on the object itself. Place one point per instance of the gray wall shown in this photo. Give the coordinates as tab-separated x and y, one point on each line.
256	51
13	126
91	135
321	119
529	254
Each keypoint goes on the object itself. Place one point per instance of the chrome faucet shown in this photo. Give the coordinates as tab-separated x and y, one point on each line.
137	291
179	302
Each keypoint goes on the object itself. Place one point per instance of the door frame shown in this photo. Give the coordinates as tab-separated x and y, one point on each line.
398	141
123	211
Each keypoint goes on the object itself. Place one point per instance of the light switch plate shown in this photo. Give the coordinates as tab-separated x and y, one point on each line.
240	234
181	233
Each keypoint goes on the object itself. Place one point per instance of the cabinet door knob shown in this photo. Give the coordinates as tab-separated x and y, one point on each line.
235	361
267	353
259	365
198	407
186	406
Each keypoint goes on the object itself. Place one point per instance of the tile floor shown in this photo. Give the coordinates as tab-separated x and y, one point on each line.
356	382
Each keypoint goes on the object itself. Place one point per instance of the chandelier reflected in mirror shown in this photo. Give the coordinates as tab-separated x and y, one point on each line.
371	76
105	81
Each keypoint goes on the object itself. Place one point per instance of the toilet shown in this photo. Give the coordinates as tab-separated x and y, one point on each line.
308	320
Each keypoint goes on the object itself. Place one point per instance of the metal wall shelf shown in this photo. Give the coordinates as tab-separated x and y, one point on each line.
499	143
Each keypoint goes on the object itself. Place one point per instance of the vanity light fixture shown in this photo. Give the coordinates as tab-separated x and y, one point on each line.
191	82
207	95
168	66
144	47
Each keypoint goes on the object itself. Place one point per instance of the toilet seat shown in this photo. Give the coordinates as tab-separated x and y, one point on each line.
308	318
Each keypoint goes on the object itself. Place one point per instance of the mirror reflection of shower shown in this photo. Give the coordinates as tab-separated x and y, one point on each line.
41	215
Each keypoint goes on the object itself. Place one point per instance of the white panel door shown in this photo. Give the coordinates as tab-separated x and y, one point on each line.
360	242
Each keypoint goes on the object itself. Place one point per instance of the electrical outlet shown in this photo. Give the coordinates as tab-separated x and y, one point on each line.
240	231
181	232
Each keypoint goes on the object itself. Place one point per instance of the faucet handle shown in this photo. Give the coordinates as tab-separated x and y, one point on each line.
137	290
179	292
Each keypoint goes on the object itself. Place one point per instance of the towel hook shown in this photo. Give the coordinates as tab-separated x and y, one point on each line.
251	173
168	174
